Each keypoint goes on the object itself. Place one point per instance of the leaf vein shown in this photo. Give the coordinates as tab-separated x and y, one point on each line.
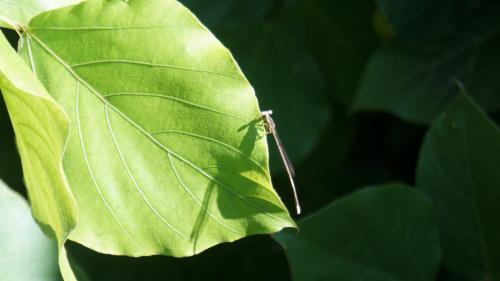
197	105
136	185
87	164
149	136
151	64
213	141
186	188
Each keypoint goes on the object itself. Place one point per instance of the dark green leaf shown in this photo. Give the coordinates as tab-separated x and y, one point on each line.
458	169
385	233
416	82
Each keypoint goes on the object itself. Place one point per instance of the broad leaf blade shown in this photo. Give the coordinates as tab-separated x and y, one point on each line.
41	128
17	13
26	253
458	170
385	233
168	153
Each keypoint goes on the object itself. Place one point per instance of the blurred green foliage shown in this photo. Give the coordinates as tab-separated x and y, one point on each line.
356	87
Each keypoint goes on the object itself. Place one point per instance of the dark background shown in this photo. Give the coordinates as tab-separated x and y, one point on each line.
308	59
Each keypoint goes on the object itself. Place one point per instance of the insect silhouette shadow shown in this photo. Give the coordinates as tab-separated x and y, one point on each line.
230	171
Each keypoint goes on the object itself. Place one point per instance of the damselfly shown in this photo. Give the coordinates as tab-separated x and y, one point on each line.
270	128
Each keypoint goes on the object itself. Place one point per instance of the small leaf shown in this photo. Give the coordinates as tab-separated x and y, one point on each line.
15	14
167	152
41	128
458	169
385	233
26	253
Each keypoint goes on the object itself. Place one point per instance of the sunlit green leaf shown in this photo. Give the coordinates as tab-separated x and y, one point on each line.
17	13
41	129
385	233
167	152
458	169
26	253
